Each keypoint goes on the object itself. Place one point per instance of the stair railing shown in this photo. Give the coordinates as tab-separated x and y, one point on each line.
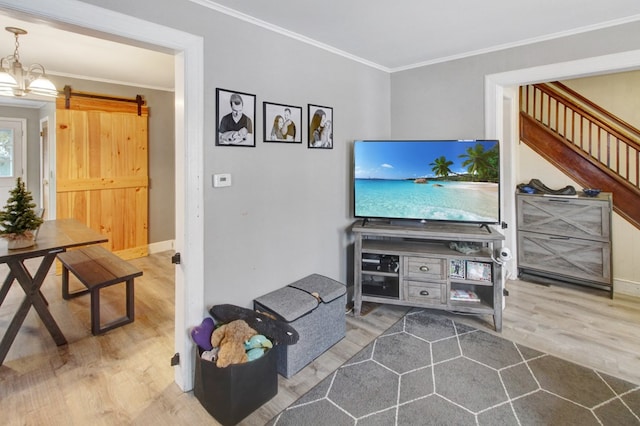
604	139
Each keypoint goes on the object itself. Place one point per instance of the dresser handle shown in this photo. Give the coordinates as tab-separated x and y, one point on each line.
424	268
424	293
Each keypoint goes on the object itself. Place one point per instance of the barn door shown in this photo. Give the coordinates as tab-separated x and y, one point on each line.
102	170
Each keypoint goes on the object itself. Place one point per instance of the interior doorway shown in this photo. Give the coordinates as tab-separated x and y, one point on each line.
77	16
501	100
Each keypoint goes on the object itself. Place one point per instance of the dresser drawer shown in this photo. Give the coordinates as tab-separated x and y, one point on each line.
425	268
425	293
563	256
587	218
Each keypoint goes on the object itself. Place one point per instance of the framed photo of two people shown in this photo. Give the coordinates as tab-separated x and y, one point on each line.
235	118
282	123
320	126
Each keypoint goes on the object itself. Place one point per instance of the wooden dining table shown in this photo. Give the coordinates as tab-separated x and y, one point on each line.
53	237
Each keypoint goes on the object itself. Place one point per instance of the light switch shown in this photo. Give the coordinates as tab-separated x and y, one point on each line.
220	180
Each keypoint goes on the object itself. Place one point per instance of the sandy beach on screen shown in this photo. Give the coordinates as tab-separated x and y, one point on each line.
486	186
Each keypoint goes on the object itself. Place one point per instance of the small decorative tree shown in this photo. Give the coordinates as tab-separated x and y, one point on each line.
18	219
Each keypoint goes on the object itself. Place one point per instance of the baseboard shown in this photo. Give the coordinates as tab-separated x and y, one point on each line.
160	246
626	288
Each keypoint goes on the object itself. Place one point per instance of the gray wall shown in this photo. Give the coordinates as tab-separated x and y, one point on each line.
446	100
287	212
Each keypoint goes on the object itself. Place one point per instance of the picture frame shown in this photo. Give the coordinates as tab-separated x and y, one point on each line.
457	269
235	118
274	113
320	122
479	271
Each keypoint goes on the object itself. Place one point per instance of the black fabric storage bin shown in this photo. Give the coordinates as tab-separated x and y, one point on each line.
232	393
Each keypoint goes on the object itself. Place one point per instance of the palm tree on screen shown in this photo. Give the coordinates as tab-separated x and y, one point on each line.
441	166
481	164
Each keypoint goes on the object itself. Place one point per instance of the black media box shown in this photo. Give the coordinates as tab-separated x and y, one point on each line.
232	393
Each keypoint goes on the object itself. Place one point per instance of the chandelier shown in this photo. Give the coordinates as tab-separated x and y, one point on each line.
16	81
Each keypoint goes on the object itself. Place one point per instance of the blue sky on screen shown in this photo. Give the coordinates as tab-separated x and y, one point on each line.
408	159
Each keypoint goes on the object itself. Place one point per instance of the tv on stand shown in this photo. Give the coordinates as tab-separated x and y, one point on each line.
418	182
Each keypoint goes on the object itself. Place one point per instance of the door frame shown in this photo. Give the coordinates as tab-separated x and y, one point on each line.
45	166
501	103
189	130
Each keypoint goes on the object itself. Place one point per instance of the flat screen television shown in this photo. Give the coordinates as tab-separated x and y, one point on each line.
427	180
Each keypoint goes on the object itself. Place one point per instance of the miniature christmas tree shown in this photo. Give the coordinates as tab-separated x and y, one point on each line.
19	217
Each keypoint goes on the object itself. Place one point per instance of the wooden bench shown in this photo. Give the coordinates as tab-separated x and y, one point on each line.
96	268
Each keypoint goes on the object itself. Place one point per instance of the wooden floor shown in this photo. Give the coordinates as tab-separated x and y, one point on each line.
124	376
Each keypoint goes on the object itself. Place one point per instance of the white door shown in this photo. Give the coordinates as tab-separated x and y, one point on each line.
12	161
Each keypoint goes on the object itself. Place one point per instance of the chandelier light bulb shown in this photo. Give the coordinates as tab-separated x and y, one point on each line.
16	81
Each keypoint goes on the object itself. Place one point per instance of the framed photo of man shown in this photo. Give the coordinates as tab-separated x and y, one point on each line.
320	126
282	123
235	118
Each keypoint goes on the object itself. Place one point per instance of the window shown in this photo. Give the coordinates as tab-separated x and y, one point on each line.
12	141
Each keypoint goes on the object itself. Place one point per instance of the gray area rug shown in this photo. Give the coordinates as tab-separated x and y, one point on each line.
428	369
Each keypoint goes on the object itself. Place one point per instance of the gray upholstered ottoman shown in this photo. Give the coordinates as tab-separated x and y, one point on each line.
320	323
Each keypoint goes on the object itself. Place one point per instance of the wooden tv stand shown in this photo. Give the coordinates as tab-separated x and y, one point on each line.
416	266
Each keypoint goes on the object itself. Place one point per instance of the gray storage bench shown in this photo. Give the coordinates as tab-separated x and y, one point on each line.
96	268
320	321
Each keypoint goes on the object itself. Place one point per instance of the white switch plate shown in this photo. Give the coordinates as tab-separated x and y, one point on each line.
220	180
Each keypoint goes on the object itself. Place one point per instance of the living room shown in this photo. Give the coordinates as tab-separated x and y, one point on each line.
303	209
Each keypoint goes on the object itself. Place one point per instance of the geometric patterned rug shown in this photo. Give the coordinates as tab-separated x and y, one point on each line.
429	369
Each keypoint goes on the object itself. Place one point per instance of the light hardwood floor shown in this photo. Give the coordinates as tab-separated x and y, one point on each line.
124	376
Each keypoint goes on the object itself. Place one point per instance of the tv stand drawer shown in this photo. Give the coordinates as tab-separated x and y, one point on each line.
425	268
425	293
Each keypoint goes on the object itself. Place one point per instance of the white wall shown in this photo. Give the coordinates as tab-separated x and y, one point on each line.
617	93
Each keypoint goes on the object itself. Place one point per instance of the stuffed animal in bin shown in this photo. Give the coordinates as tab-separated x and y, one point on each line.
201	334
230	339
256	346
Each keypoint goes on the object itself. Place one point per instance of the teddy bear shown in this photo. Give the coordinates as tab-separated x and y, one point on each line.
230	339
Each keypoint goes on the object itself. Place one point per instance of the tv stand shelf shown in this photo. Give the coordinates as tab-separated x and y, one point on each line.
415	266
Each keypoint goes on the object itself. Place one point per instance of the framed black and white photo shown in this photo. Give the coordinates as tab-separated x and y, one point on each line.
320	126
235	118
282	123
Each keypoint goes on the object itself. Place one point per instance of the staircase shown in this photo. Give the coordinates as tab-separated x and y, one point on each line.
590	145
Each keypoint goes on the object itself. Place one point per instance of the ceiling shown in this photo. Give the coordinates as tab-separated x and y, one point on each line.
388	35
402	34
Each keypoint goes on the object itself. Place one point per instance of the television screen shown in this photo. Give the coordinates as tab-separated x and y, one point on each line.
431	180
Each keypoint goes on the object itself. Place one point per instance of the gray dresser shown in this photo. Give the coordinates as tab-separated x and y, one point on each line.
565	238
